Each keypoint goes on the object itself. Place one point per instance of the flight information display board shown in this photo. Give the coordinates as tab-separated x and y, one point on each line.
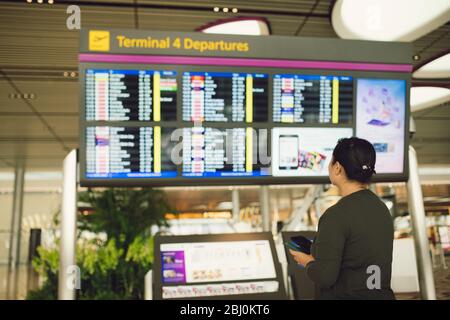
186	120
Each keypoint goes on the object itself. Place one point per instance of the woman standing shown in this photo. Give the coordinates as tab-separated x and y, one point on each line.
351	255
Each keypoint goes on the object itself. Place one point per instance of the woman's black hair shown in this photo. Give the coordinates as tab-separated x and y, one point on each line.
357	156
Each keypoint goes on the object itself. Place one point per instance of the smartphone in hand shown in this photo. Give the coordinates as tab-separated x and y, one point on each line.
299	243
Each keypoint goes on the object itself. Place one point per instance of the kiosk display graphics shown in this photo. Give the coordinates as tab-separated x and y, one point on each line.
237	266
169	108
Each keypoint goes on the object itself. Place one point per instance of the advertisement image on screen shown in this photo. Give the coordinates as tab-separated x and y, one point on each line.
288	151
380	119
304	151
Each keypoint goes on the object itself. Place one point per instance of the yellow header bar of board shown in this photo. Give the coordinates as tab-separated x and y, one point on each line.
249	99
181	43
335	103
156	97
249	150
157	149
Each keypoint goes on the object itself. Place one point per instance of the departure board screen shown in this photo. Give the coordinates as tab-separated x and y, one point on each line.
225	97
128	152
130	95
213	152
148	126
312	99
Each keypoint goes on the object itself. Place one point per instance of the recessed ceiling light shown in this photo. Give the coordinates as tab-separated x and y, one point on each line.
235	10
29	1
50	1
22	96
250	26
225	9
387	20
216	9
416	57
73	74
66	74
426	97
40	1
437	68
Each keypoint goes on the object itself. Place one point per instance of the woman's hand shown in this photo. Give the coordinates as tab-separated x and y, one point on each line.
301	258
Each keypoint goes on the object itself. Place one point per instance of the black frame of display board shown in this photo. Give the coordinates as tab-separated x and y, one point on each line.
369	50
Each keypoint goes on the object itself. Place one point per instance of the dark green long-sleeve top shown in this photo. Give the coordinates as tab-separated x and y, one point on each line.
355	233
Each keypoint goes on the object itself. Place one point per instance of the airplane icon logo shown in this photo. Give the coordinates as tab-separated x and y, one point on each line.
98	40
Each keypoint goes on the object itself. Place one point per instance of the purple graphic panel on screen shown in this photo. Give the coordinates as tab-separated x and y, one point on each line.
173	267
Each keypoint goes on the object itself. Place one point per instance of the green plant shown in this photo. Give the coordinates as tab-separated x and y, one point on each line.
113	268
123	213
46	265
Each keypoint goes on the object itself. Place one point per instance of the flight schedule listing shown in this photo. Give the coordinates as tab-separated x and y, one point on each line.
312	99
225	97
130	95
213	152
125	152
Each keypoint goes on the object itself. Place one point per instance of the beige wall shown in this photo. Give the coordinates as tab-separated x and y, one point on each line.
41	201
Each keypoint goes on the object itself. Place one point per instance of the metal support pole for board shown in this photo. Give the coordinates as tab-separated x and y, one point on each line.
235	204
317	208
264	205
148	285
67	279
295	221
417	212
16	232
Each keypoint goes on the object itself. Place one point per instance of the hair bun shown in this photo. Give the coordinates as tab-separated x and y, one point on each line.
357	156
366	167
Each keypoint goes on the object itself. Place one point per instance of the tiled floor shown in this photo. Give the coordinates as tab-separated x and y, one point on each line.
442	283
22	283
